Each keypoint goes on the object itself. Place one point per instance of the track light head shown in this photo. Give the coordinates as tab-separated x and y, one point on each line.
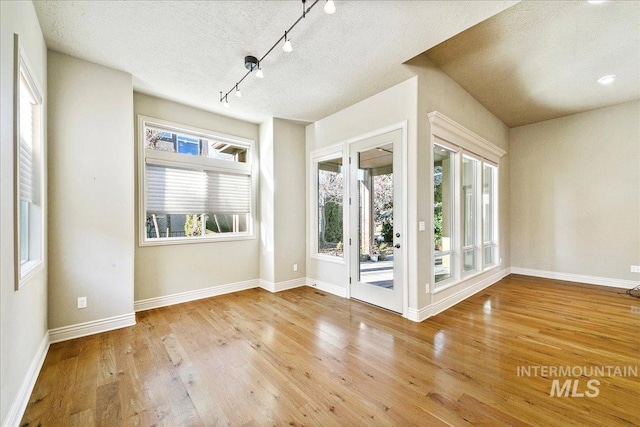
287	44
329	7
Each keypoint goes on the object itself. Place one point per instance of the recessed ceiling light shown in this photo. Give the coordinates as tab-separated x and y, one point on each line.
606	80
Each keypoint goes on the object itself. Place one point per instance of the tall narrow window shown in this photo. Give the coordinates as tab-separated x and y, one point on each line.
330	191
196	185
489	243
28	171
469	189
443	211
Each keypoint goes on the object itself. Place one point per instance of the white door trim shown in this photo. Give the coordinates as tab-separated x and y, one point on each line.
404	264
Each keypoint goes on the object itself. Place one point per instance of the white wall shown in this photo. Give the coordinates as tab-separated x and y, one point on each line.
172	269
267	210
23	313
438	92
575	193
394	105
91	191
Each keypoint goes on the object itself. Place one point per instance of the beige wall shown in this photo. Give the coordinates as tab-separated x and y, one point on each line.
91	185
171	269
438	92
282	201
575	193
289	200
23	313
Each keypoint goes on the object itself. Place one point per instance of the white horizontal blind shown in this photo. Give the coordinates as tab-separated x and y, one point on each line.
25	168
172	190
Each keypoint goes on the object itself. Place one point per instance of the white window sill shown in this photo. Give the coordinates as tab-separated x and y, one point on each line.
328	258
163	241
28	270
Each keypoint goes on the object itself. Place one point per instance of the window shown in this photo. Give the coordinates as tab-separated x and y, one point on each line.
197	185
328	192
469	227
28	171
443	174
489	216
465	215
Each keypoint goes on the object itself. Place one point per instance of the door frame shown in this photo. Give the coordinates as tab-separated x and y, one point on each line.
403	125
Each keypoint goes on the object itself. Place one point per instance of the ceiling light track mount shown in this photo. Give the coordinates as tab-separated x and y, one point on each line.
251	63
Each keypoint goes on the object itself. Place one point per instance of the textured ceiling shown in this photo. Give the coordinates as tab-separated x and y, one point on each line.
540	60
189	51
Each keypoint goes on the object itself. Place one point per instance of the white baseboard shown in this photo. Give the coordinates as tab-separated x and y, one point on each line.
17	408
89	328
569	277
282	286
148	304
327	287
418	315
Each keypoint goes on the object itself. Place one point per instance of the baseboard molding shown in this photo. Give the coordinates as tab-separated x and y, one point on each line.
580	278
282	286
327	287
90	328
148	304
17	408
418	315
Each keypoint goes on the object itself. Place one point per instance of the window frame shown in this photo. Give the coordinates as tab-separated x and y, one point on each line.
316	157
450	135
192	162
455	197
493	243
25	270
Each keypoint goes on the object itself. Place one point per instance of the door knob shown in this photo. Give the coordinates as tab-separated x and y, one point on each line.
397	246
397	234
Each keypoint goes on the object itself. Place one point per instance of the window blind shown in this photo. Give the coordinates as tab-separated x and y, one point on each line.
172	190
25	168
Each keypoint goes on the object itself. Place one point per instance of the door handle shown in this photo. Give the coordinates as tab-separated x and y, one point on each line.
397	246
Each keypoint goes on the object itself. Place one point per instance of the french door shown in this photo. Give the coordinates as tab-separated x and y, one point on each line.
376	220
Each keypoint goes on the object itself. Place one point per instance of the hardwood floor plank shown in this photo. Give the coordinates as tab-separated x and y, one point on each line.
305	357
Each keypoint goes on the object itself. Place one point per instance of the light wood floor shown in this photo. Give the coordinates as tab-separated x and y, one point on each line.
303	357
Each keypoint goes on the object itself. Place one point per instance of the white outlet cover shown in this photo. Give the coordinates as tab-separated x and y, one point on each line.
422	226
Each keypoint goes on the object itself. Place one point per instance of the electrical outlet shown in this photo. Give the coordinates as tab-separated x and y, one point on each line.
82	302
635	268
295	267
422	226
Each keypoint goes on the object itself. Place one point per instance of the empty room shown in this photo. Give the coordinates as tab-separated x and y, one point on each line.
319	213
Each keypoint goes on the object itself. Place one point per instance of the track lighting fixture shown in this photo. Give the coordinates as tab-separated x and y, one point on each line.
224	101
329	7
287	44
252	63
